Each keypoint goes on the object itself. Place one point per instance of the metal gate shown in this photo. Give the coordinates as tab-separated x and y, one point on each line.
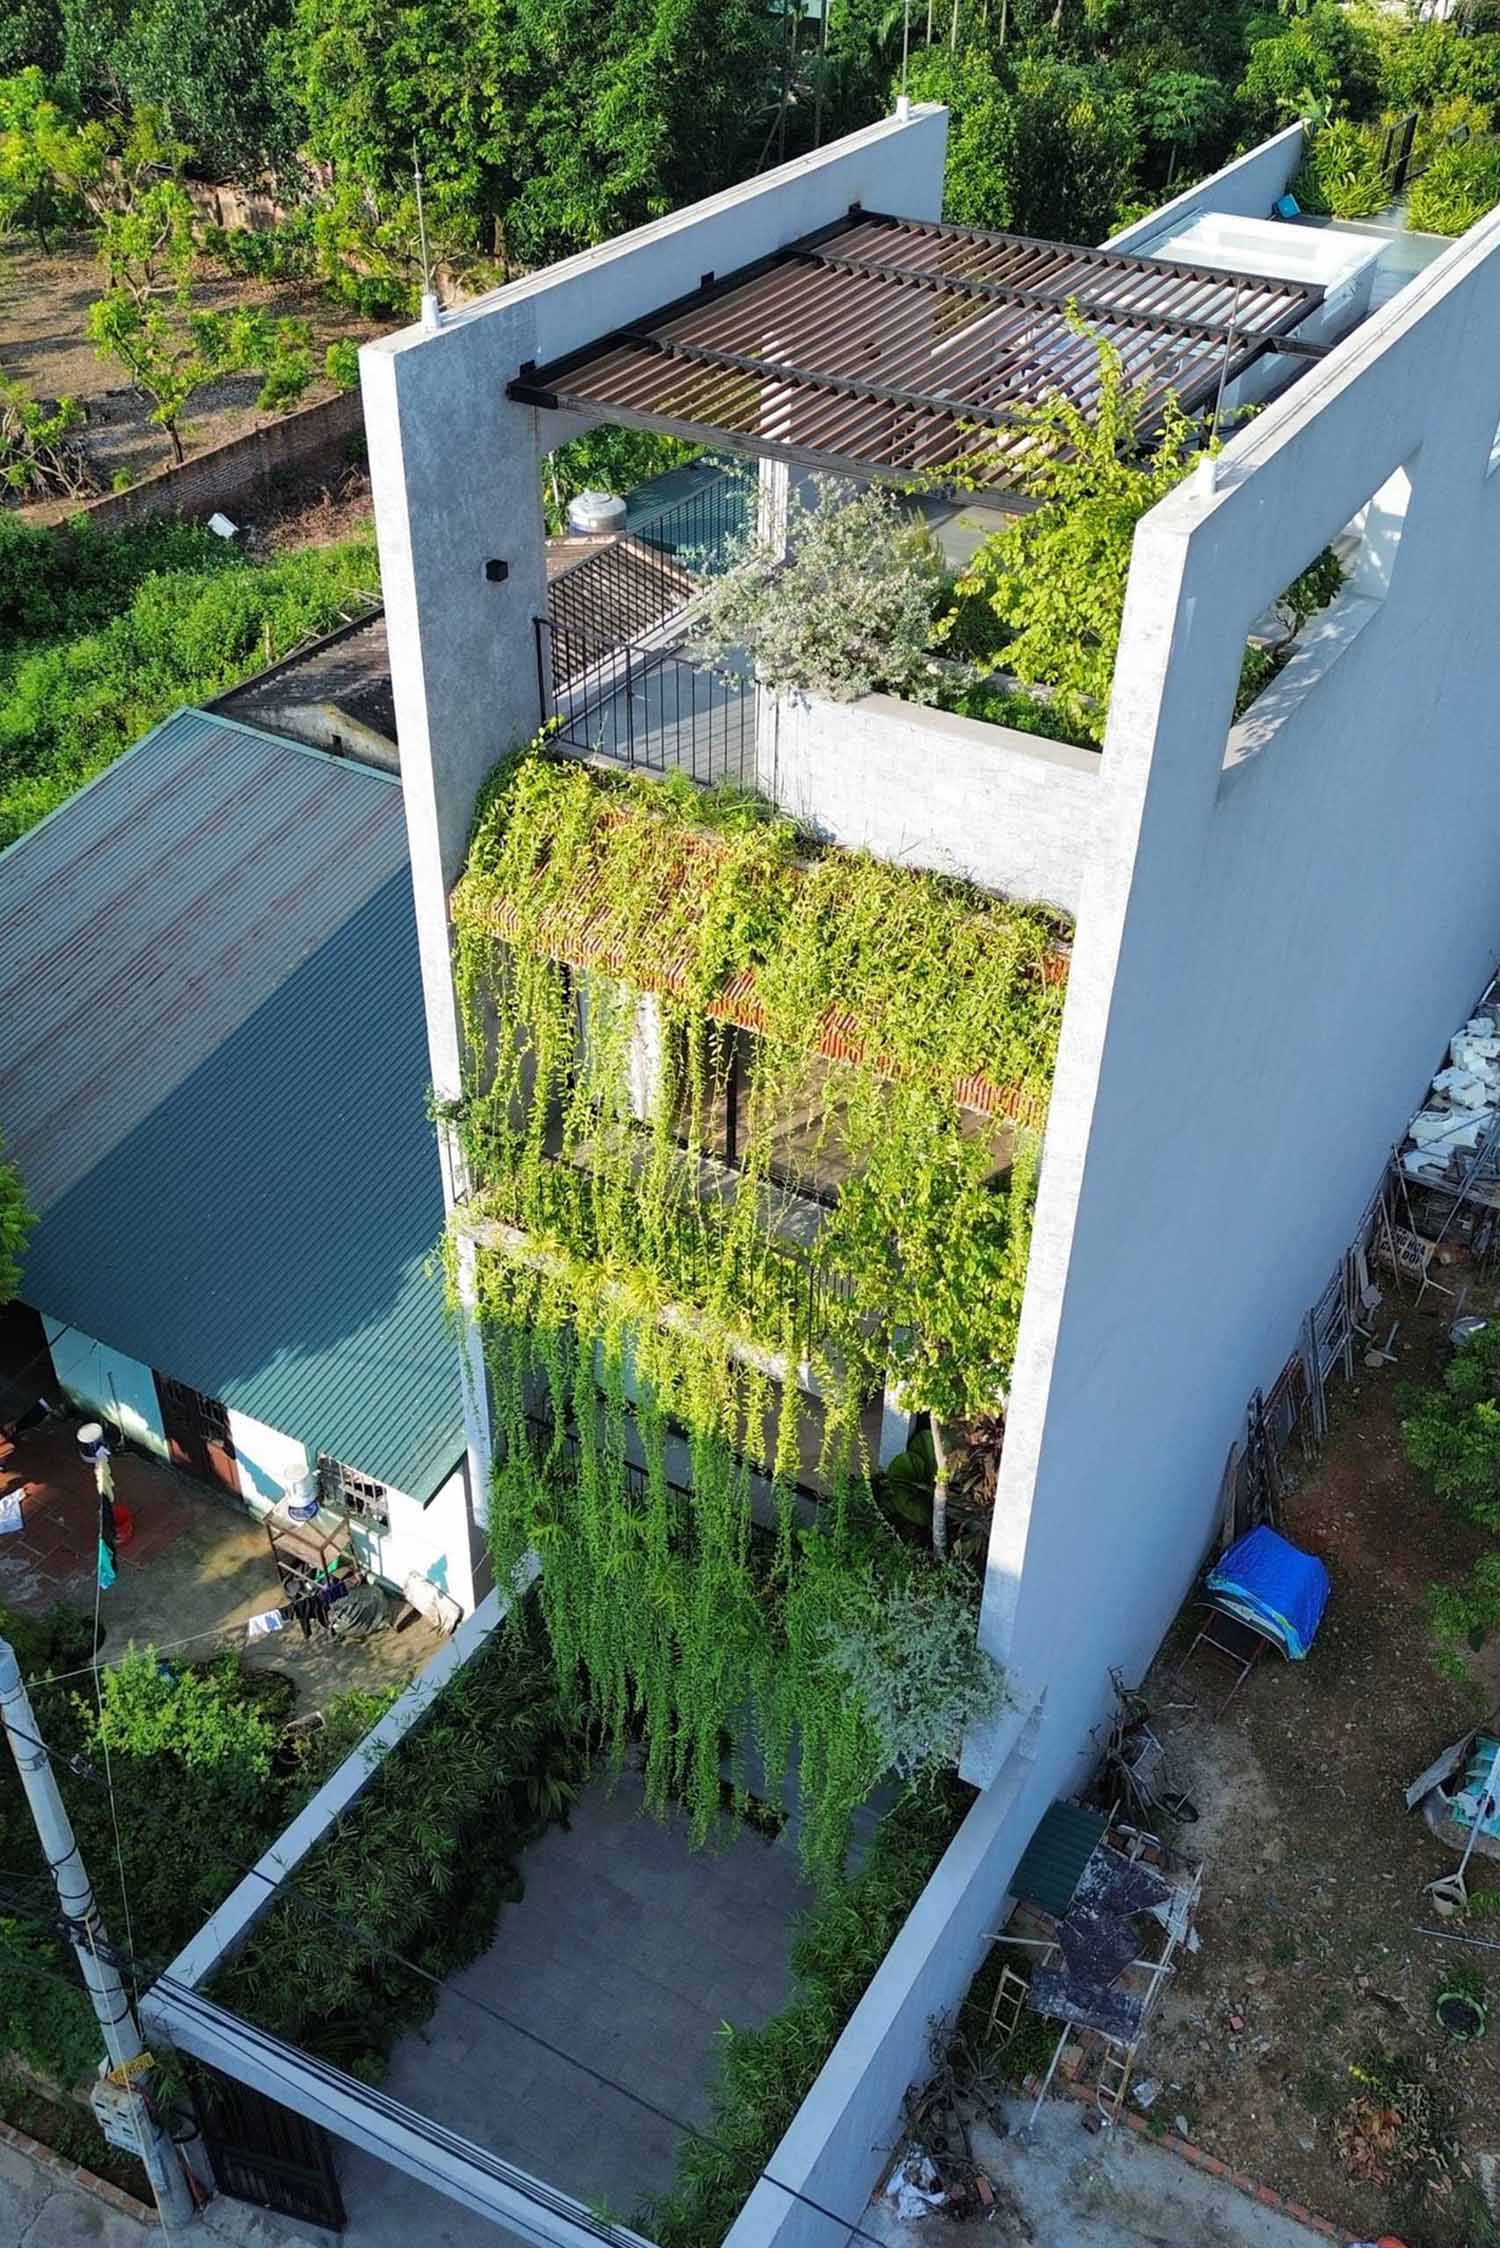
265	2153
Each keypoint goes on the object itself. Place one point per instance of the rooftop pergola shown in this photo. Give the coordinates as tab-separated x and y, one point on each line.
898	348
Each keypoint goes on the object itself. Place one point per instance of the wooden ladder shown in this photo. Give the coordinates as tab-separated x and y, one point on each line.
1008	2004
1114	2076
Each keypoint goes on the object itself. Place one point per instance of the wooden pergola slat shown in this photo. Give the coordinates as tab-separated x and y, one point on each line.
904	348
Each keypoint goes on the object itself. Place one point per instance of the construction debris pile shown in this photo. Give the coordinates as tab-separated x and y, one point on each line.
1444	1203
1457	1122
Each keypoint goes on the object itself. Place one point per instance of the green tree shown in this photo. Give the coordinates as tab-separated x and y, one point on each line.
1078	149
31	35
209	70
34	130
622	120
1324	60
1055	579
16	1220
148	321
1180	110
380	82
982	130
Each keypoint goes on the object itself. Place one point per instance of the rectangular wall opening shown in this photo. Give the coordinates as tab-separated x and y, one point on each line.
1319	614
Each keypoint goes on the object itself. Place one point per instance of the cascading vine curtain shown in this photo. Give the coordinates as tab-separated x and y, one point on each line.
639	1302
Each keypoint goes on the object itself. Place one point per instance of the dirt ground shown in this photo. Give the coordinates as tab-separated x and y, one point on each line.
44	304
1312	1960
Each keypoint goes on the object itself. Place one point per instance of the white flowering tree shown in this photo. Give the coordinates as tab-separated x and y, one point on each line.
847	609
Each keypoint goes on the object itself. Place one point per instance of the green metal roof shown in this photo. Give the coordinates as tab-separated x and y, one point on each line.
1053	1861
214	1080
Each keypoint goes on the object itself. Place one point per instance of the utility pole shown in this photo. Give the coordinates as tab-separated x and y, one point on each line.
122	2037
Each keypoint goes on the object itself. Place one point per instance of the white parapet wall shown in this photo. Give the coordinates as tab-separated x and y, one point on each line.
840	2140
1248	187
1012	811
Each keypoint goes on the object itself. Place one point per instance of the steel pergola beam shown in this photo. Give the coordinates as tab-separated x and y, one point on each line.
828	351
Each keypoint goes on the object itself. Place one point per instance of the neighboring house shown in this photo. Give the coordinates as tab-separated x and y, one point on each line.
215	1085
1278	916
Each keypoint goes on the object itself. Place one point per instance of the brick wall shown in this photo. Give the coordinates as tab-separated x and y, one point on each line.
241	468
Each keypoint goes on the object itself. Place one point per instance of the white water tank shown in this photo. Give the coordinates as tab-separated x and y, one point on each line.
593	514
299	1493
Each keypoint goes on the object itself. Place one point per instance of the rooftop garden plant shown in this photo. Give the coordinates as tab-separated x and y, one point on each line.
1027	634
910	1023
1460	185
421	1862
848	611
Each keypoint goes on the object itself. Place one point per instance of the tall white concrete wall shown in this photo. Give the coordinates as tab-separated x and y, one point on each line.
1247	187
1006	809
1278	925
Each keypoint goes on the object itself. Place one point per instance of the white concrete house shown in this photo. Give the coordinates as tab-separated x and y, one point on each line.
1276	919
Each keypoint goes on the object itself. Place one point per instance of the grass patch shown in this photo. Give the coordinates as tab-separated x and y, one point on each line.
70	706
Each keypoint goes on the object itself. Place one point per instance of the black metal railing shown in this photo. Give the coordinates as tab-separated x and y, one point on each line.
629	585
648	708
706	531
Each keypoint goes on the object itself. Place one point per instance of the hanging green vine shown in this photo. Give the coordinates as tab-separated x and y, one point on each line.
658	1320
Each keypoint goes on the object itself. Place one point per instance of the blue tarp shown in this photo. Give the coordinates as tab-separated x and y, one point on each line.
1275	1587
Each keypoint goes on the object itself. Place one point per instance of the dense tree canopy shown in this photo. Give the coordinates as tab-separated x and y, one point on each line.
542	126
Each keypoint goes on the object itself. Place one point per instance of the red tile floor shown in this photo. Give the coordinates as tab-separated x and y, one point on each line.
196	1567
54	1556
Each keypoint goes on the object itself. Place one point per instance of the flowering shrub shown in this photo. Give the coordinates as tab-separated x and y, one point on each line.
849	610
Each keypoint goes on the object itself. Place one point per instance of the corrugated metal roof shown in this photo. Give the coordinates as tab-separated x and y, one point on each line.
1053	1860
213	1079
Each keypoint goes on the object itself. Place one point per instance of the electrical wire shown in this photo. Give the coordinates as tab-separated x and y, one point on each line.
286	1886
164	1647
269	2050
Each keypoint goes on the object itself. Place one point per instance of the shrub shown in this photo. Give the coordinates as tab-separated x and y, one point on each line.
1342	174
1460	185
341	364
765	2074
849	611
54	583
70	709
907	1652
1452	1432
421	1862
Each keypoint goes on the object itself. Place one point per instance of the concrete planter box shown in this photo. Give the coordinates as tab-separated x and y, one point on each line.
1012	811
